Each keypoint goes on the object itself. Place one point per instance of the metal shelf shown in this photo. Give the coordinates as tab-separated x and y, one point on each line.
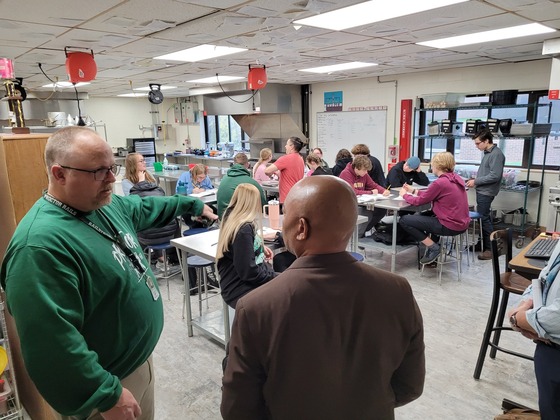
14	409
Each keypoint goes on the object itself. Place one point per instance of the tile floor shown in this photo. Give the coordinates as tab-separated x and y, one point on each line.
188	369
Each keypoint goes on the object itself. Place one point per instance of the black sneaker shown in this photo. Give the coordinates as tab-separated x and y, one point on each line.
432	254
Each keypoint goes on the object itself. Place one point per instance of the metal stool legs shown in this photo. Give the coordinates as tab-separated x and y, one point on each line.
448	245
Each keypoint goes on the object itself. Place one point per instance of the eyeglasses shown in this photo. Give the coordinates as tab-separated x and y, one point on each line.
478	142
98	174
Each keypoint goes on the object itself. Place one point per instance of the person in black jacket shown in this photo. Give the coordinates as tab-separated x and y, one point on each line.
343	158
407	172
243	260
315	168
376	172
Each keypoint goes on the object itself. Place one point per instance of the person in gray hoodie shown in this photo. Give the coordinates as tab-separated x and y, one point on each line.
237	174
487	183
449	204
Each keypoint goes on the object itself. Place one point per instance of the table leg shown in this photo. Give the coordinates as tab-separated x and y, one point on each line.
354	240
394	241
185	268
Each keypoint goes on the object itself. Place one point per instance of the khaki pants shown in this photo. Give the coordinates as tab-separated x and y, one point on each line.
141	384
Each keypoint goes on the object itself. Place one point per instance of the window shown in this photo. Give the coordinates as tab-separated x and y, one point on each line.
222	129
519	151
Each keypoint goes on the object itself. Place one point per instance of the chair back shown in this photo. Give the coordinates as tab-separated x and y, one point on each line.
501	242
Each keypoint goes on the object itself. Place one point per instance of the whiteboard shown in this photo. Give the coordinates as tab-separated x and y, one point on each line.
345	129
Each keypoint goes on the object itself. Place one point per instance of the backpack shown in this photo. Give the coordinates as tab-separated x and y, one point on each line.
154	236
384	234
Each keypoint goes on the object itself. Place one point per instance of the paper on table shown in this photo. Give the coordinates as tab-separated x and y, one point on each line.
366	198
537	293
203	193
398	198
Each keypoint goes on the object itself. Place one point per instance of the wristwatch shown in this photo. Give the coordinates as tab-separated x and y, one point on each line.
513	321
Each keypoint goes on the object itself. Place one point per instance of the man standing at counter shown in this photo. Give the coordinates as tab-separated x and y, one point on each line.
86	304
487	183
291	167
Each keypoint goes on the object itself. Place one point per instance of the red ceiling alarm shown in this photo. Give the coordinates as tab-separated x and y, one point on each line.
80	66
257	77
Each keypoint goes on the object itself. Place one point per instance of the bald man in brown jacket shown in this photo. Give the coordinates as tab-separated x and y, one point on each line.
331	337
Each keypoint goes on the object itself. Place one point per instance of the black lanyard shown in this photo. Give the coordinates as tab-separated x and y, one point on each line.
115	237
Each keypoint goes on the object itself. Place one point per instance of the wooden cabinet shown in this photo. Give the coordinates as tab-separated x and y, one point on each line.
23	177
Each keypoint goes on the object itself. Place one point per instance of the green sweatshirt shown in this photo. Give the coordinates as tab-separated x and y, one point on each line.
85	316
236	175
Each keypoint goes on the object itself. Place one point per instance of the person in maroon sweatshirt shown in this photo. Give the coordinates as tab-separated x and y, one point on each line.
356	174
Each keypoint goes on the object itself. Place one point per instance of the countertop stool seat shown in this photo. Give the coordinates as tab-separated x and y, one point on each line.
167	273
357	256
452	248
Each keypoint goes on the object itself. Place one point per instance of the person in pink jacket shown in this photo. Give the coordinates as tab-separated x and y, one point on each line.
356	174
449	204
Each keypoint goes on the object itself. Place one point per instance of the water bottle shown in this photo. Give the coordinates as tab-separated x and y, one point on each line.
273	213
181	188
165	161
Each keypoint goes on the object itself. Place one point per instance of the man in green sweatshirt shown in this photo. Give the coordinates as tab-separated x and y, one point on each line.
237	174
86	304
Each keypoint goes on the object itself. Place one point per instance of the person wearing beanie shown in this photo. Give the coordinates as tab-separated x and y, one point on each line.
407	172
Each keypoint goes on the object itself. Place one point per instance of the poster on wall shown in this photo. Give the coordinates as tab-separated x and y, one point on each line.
333	101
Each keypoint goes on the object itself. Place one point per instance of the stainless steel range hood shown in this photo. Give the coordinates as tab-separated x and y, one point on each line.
273	113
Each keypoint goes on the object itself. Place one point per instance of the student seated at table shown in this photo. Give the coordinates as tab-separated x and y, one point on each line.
407	172
314	164
265	157
356	174
243	260
376	172
135	172
196	180
449	204
343	158
142	183
317	151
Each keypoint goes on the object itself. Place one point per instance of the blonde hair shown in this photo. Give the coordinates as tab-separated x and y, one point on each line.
444	162
244	207
131	169
198	169
265	154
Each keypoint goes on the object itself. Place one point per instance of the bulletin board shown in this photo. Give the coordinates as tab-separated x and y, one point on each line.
343	130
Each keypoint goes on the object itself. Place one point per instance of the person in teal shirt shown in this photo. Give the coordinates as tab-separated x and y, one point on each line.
86	304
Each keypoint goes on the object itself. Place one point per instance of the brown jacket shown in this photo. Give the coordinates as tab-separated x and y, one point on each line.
330	338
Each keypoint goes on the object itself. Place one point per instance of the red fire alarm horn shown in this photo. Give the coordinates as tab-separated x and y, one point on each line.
80	66
257	77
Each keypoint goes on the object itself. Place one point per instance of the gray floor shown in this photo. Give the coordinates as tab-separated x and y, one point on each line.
188	369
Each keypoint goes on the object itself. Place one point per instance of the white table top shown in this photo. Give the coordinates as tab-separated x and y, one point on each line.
202	244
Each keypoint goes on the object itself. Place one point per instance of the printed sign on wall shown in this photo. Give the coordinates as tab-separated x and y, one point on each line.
333	101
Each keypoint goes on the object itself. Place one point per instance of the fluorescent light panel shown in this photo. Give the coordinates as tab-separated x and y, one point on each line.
370	12
65	85
133	95
147	88
202	52
339	67
488	36
215	79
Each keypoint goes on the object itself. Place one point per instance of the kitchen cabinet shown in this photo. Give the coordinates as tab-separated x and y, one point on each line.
438	141
23	177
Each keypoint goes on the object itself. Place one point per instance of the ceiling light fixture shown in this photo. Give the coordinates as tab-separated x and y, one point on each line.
370	12
202	52
214	79
64	85
489	36
133	95
147	88
339	67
